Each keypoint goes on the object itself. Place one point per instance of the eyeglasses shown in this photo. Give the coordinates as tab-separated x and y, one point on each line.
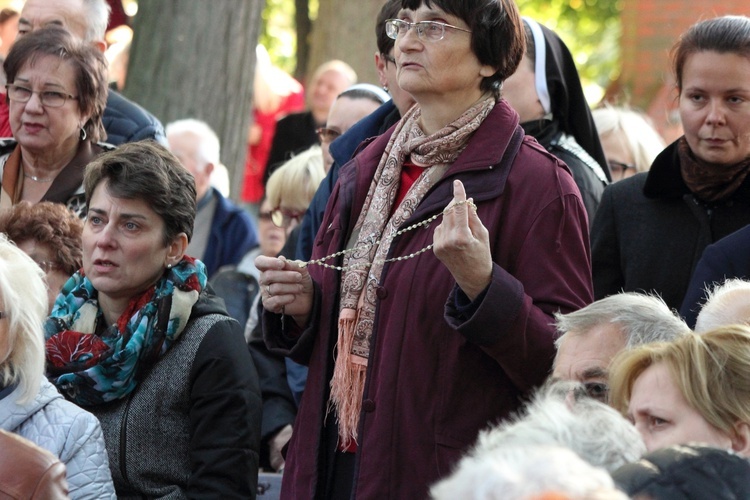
265	216
388	58
49	98
618	168
426	30
284	218
327	134
48	265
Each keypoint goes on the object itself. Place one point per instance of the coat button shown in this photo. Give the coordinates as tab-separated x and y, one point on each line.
368	405
381	292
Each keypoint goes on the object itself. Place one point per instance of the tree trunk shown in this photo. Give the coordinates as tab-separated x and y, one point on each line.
304	26
345	29
195	59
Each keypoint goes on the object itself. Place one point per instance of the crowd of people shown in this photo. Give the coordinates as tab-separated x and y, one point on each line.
460	283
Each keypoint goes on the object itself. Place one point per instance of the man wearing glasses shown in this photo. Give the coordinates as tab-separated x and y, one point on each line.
591	337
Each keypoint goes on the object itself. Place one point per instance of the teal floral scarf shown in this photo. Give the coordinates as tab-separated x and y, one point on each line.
91	369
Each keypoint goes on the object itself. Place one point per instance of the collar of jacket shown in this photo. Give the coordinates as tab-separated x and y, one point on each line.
485	151
664	179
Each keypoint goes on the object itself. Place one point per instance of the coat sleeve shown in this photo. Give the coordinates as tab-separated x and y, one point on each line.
605	248
514	322
85	458
225	416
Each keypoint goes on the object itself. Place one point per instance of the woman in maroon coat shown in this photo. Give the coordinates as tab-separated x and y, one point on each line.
413	348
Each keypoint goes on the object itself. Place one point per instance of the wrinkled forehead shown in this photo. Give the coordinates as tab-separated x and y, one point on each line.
66	14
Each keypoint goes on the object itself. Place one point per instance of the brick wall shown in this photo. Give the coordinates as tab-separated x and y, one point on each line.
649	30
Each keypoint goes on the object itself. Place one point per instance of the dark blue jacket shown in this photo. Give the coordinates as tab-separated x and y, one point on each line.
232	235
723	260
125	121
342	150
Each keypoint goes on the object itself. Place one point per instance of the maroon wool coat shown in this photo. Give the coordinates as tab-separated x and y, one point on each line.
436	378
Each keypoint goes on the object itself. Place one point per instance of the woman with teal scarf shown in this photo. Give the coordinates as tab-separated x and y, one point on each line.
137	339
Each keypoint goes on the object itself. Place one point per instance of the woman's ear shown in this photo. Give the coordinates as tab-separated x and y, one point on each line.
176	249
741	439
487	71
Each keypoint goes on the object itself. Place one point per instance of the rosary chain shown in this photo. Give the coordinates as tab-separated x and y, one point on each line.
321	261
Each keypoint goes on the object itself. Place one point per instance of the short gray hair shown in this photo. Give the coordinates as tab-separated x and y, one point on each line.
728	303
24	301
522	472
97	19
209	147
560	414
642	319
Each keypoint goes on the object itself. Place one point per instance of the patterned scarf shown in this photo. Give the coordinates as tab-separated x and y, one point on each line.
379	221
709	182
90	369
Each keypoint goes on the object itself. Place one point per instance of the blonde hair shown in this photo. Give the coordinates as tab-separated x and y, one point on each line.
333	65
711	370
634	130
293	184
24	302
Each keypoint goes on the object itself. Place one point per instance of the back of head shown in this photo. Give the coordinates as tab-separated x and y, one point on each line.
686	472
524	472
147	171
727	303
295	182
711	370
560	414
23	300
633	130
48	223
725	35
88	63
642	318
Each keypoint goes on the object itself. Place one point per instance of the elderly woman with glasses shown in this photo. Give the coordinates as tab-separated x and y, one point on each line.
447	245
57	91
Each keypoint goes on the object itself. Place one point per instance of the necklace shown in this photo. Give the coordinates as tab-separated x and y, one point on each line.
38	179
321	261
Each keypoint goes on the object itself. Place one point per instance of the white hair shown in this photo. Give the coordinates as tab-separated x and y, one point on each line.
560	414
25	304
642	319
634	130
524	472
97	19
727	303
209	147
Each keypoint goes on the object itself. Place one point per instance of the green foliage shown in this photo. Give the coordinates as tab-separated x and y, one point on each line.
277	33
590	28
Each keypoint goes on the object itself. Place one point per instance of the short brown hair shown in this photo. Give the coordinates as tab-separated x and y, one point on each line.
88	63
48	223
146	170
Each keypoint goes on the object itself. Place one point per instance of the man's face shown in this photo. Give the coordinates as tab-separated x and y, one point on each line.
67	14
585	357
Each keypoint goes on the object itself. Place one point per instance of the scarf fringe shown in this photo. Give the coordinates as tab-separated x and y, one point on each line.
348	382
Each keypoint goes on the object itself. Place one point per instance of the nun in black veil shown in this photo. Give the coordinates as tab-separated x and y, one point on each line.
546	92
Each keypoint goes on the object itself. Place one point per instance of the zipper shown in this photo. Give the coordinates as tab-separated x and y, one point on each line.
123	424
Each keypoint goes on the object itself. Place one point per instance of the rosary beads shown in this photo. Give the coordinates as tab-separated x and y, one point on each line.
322	260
